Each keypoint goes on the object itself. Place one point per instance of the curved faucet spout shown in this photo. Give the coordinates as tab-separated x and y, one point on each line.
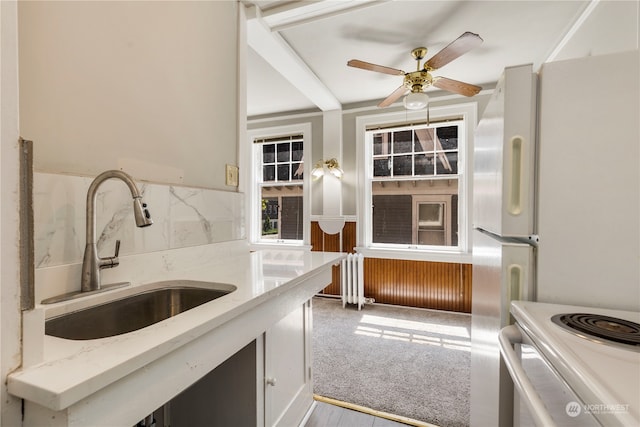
92	263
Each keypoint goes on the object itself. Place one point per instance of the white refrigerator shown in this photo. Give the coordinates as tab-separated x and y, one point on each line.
556	204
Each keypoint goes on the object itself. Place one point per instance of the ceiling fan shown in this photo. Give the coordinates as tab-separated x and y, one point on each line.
416	82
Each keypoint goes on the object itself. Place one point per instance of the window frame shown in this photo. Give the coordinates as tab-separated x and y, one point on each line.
254	196
467	113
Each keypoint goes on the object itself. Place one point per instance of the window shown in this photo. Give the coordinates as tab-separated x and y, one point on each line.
414	195
414	184
415	151
279	186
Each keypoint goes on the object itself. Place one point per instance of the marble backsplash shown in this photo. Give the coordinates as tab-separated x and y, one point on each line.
182	217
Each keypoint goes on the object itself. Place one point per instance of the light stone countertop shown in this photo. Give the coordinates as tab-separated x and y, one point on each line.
60	373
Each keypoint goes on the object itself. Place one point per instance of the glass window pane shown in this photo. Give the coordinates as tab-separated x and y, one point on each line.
432	237
283	172
381	167
417	147
268	173
447	163
269	217
402	165
268	153
297	169
291	221
381	143
296	151
402	141
424	164
448	137
391	221
449	143
430	215
284	152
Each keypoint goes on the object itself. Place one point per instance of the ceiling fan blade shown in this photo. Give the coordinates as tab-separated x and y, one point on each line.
395	95
453	50
373	67
455	86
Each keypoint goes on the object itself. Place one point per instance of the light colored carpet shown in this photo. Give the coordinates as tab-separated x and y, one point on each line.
409	362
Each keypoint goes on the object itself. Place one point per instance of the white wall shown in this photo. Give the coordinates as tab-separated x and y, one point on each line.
149	87
9	218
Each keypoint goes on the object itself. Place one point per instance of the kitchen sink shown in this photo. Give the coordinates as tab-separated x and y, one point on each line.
135	311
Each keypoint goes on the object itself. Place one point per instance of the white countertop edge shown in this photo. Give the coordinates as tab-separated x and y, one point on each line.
94	364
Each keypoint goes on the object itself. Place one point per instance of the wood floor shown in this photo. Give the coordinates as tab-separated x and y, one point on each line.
327	415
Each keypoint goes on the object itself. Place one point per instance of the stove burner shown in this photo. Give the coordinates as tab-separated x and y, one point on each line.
603	327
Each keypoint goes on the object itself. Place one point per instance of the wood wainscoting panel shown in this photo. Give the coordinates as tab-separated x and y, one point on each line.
424	284
349	237
317	237
334	287
321	241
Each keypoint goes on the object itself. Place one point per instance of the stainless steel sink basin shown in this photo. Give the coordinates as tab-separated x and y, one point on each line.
135	311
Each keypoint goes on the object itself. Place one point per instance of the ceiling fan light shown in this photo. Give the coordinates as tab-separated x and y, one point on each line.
416	101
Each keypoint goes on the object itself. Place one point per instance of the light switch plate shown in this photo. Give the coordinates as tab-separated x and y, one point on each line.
231	175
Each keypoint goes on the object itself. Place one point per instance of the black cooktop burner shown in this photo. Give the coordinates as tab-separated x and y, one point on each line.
603	327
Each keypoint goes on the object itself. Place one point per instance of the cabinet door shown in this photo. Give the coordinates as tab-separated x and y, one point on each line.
225	396
288	385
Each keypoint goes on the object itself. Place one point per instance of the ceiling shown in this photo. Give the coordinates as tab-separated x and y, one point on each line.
298	50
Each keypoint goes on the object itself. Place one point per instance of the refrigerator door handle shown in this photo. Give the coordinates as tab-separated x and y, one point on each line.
516	178
507	337
515	286
516	277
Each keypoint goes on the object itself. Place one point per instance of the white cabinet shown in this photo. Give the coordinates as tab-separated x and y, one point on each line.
267	383
288	387
224	397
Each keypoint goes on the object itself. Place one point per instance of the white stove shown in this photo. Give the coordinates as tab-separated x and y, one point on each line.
568	377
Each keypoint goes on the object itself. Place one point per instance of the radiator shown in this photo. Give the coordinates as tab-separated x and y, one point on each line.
352	280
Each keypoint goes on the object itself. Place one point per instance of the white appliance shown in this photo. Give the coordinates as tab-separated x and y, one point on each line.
556	204
573	366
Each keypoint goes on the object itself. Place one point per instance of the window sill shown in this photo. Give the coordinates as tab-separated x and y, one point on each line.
416	255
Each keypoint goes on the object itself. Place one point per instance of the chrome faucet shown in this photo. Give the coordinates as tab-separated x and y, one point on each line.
92	263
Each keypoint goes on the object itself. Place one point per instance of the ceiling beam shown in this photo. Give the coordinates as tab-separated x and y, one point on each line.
280	55
292	14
